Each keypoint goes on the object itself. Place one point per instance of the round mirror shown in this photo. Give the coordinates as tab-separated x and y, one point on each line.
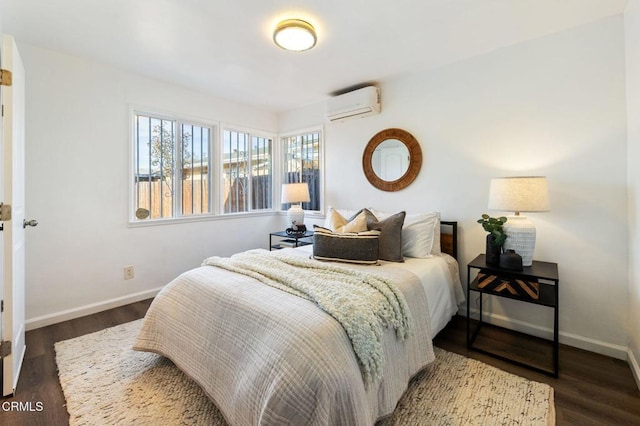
392	159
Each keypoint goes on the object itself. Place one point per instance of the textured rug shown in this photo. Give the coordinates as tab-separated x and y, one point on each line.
105	382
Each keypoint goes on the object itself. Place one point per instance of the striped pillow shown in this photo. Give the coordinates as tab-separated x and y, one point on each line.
351	247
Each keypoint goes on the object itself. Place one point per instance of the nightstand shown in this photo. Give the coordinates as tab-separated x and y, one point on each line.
536	284
280	239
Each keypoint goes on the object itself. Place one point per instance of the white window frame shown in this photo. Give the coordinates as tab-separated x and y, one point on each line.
321	166
216	183
274	168
178	119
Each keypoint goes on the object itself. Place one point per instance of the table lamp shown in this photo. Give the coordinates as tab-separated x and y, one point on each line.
295	193
520	194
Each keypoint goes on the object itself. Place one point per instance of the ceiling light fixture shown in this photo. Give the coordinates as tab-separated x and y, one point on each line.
295	34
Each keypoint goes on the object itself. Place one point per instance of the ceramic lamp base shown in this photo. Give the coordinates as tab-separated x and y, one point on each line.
295	215
521	237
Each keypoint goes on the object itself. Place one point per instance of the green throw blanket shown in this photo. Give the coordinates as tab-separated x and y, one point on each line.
362	302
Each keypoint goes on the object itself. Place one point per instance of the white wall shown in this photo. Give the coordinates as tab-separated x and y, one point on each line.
632	33
77	152
554	106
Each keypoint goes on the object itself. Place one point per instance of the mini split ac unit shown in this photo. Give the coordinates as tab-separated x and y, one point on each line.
359	103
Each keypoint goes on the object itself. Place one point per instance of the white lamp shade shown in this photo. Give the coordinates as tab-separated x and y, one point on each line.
295	193
519	194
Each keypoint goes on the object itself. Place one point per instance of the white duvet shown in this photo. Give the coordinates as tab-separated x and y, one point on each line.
268	357
440	279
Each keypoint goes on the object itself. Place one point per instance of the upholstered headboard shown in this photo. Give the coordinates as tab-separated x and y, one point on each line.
449	238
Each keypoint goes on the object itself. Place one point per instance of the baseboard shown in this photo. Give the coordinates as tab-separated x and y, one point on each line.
592	345
93	308
635	367
577	341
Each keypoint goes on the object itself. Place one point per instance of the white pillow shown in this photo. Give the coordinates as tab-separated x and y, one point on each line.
436	249
420	233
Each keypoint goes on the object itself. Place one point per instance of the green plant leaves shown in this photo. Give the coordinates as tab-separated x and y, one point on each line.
494	226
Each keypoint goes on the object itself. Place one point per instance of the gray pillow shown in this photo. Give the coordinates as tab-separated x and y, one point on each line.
351	247
390	245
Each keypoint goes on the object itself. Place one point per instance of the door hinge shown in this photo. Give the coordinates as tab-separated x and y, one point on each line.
5	212
5	348
6	78
1	305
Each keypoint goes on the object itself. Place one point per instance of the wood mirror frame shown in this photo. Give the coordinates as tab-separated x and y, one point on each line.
415	160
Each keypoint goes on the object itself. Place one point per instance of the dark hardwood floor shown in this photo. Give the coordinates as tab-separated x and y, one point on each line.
39	378
592	389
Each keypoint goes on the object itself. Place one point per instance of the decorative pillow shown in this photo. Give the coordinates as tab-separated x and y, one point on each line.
420	233
342	212
390	247
336	221
361	247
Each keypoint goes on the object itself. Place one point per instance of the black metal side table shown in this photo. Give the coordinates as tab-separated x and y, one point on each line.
537	284
283	240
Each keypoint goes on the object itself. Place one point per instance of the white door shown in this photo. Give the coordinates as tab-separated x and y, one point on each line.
12	236
393	162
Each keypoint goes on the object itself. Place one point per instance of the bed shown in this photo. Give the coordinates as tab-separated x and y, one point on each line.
266	356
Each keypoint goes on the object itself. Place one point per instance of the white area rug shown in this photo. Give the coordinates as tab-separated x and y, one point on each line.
105	382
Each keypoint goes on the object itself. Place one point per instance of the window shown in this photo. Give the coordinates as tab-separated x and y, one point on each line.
247	170
182	169
196	142
171	168
302	163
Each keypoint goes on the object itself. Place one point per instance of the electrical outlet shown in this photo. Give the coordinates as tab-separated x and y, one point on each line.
128	272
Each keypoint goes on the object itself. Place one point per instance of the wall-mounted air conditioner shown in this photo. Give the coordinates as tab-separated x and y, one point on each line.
359	103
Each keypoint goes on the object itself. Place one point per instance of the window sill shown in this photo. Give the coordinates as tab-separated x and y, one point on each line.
210	217
198	218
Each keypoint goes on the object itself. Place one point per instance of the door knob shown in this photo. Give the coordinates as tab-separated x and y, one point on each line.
31	222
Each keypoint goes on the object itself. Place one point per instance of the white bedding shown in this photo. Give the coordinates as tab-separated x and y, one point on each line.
443	300
433	272
266	357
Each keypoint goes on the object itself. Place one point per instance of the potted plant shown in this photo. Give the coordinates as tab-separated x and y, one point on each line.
495	238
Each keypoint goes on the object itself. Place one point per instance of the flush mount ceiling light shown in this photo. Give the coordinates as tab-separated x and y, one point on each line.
295	34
